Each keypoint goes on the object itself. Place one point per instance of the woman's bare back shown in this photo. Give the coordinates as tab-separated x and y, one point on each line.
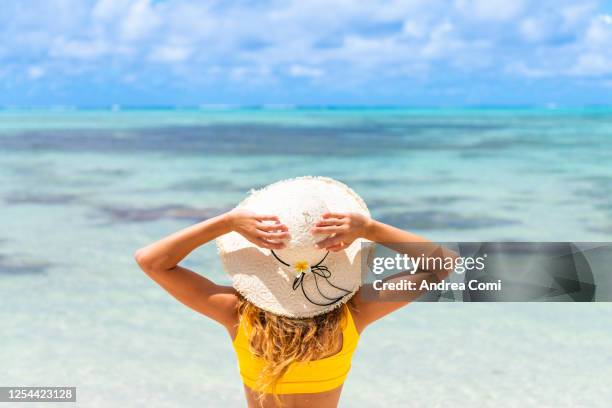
327	399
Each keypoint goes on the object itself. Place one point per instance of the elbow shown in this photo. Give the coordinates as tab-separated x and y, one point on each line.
142	259
149	263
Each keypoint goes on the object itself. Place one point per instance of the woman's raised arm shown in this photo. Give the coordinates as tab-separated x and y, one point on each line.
372	304
160	260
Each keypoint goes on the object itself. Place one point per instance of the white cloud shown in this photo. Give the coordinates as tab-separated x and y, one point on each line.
442	41
523	69
246	74
574	14
140	21
170	53
35	72
414	28
305	71
78	49
497	10
338	42
589	64
110	9
594	57
532	29
600	31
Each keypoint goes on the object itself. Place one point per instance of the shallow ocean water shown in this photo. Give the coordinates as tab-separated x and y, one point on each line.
81	190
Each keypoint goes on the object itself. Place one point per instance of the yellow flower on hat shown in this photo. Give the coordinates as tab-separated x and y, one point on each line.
301	267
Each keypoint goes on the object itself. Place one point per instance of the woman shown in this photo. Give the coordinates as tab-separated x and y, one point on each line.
296	308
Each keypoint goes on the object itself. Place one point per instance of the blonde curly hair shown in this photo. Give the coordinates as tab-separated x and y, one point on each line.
280	341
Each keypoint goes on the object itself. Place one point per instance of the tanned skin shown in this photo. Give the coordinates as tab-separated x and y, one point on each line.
160	261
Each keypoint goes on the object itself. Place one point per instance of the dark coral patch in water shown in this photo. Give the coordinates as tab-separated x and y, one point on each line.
436	220
181	212
42	199
17	267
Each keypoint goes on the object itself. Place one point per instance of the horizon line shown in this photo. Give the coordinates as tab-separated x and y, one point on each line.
289	107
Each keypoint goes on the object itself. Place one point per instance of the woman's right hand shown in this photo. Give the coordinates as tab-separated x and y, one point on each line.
258	229
342	228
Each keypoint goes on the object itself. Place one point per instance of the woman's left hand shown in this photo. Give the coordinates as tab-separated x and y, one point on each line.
344	228
265	231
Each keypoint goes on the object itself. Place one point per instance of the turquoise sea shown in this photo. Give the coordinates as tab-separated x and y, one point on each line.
81	190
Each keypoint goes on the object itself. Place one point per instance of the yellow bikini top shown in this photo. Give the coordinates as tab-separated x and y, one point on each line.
301	377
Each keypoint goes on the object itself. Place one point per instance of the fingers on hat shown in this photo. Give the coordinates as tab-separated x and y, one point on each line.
268	244
265	217
272	227
329	221
274	235
333	215
329	242
334	229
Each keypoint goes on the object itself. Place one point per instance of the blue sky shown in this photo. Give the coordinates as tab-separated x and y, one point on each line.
309	52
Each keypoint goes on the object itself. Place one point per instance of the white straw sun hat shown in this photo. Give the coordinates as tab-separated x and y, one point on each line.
300	280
